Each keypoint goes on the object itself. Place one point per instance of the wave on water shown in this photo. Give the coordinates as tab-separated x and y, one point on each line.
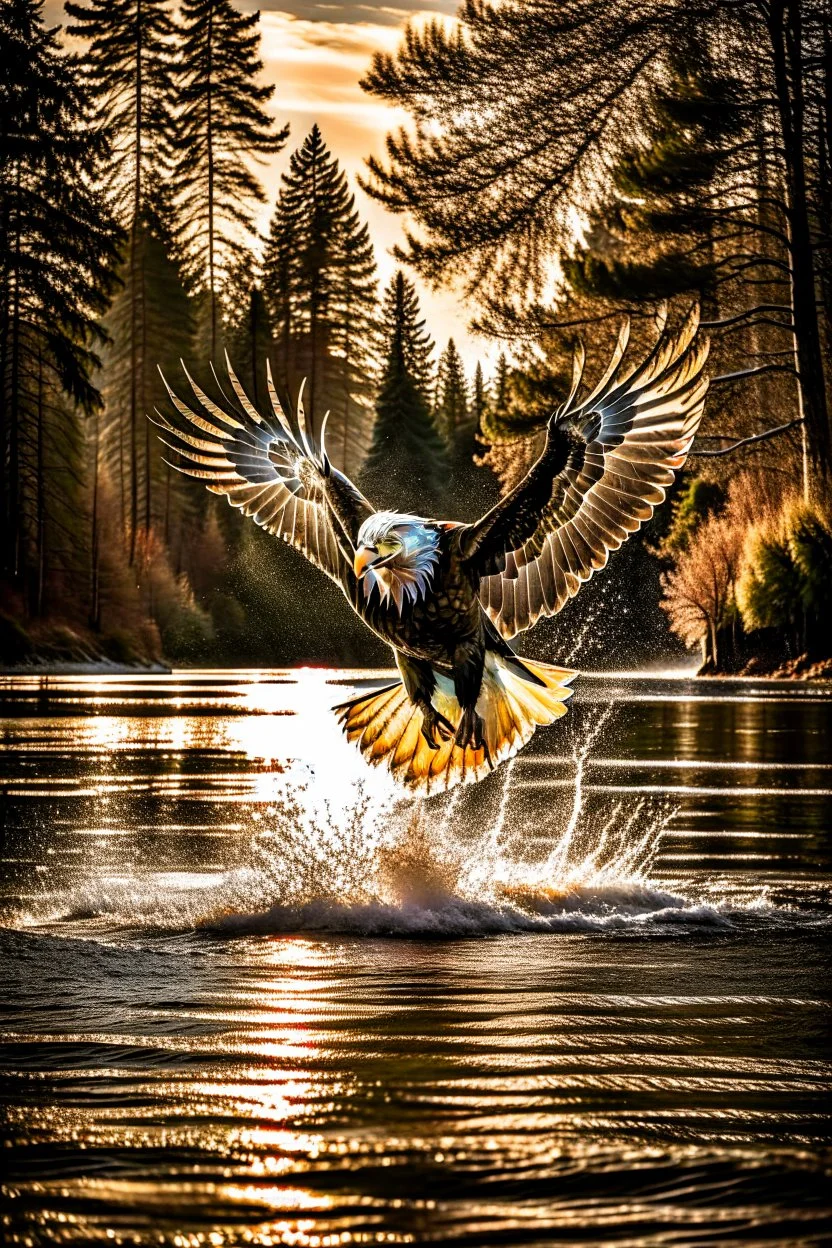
391	878
587	910
473	863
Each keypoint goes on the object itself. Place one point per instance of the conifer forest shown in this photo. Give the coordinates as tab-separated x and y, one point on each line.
563	164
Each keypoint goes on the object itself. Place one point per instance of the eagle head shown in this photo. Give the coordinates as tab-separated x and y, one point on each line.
396	554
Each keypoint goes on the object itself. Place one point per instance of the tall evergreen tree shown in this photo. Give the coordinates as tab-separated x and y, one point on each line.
407	465
321	289
128	69
150	327
58	246
654	236
402	315
479	404
452	411
223	126
498	406
671	224
522	399
249	340
471	488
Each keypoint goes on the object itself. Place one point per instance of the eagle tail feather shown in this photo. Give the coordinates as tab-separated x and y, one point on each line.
516	697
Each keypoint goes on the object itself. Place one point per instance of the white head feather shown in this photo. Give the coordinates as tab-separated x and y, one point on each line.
407	576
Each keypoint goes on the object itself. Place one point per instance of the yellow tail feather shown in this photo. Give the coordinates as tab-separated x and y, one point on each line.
516	697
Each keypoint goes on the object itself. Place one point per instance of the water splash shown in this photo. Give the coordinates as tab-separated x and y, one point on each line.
510	855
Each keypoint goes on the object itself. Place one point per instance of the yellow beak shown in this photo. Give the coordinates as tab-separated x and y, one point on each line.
364	557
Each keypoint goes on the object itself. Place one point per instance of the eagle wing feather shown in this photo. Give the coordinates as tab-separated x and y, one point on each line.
607	464
272	470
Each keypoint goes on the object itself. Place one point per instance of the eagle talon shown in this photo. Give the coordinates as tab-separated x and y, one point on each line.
470	730
435	725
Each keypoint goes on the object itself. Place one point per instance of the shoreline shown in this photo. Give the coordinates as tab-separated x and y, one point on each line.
800	669
95	667
791	672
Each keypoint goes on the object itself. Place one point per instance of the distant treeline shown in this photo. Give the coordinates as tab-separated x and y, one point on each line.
631	154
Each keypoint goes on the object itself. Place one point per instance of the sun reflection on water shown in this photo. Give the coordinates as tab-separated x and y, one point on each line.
204	1047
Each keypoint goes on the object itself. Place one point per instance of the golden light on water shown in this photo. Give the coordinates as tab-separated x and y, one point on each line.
273	1006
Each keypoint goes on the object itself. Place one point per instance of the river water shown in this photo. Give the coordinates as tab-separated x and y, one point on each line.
250	995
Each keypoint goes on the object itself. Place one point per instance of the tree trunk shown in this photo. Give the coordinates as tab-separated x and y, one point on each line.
824	186
253	329
209	121
314	294
14	537
40	499
786	37
135	363
167	506
5	295
95	566
714	645
134	399
148	479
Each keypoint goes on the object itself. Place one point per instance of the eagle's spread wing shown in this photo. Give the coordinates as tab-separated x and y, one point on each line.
607	463
272	470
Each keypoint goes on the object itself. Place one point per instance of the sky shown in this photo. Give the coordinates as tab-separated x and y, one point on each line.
315	54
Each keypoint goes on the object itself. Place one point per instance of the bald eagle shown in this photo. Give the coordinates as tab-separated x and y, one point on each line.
449	597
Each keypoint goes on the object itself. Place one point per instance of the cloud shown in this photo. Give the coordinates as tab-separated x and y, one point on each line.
349	13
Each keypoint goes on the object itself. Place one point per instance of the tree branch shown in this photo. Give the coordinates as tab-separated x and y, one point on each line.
741	316
752	372
757	437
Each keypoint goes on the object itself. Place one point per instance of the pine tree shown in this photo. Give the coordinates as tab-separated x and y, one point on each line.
128	69
150	327
249	341
498	407
407	465
522	400
491	195
321	290
58	247
668	229
471	488
453	415
223	127
655	237
479	407
401	315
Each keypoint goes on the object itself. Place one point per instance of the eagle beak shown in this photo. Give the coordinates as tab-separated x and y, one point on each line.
364	557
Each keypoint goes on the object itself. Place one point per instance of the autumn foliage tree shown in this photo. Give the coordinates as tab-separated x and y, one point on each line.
705	549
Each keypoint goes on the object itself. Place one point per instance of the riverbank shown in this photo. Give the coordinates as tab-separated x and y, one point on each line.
98	668
56	648
801	668
772	667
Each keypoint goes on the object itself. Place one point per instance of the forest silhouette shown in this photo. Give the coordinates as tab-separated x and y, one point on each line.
567	165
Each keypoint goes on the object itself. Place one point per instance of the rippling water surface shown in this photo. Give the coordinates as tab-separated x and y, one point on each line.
252	996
